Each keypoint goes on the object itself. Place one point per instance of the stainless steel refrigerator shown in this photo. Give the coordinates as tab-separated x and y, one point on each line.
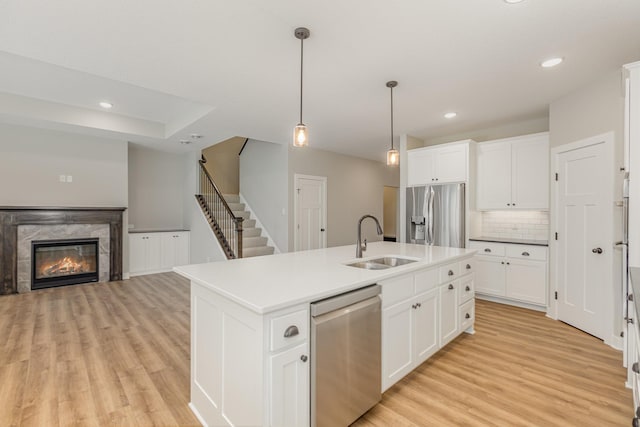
435	215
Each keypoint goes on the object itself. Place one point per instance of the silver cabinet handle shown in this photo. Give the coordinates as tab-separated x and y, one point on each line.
450	286
487	250
525	253
450	273
467	316
468	266
291	331
467	288
596	250
635	368
304	358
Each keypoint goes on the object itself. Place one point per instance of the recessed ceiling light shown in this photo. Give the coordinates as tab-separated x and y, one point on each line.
185	141
106	105
195	136
552	62
512	1
450	115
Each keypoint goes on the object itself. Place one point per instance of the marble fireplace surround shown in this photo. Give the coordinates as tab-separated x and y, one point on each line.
20	225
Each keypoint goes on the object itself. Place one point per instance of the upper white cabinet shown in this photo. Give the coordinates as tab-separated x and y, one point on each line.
438	164
513	173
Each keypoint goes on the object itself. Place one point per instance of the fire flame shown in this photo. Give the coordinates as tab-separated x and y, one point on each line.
64	266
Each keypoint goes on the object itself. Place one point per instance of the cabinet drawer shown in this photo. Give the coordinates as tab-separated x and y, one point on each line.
425	280
467	266
449	272
396	290
488	248
466	289
467	315
538	253
289	329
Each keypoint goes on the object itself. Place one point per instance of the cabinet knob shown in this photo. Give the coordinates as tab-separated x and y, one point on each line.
487	250
502	263
525	253
596	250
508	263
468	266
466	288
508	204
304	358
419	304
291	331
467	316
450	286
635	368
513	204
414	306
450	273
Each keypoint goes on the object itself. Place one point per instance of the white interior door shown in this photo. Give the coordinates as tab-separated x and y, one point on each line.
584	247
311	212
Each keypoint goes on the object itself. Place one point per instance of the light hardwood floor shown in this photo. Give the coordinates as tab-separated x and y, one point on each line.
118	354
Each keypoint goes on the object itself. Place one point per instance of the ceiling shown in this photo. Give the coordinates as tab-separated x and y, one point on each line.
224	69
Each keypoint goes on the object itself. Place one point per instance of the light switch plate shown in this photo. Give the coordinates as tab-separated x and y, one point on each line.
63	178
69	178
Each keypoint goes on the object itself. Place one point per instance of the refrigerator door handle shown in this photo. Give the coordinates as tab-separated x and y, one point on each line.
430	216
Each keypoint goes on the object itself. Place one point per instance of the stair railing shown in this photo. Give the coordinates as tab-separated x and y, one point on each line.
226	226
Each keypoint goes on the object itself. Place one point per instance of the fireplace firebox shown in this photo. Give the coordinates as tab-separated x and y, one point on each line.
64	262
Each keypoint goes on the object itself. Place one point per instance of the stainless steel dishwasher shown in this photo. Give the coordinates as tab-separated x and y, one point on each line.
345	357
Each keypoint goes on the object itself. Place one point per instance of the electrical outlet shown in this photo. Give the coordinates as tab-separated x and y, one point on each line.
69	178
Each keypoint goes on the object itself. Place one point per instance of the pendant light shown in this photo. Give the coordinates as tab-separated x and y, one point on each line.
300	132
393	156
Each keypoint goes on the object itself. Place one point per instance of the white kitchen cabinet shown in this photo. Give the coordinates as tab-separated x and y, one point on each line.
157	252
448	312
513	173
439	164
144	252
511	272
421	314
290	387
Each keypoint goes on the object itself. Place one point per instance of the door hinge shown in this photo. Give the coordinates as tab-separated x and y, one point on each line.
556	235
556	176
622	334
556	294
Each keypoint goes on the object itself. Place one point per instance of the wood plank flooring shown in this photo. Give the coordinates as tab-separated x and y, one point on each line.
117	354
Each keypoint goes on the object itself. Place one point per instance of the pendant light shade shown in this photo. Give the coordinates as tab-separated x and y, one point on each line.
393	156
300	132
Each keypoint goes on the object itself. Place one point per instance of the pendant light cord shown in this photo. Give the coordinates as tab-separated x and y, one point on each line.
391	117
301	62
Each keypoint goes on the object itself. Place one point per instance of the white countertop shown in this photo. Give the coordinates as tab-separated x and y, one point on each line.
268	283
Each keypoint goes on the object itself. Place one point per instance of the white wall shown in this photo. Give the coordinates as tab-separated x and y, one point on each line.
596	109
156	189
355	187
32	160
263	184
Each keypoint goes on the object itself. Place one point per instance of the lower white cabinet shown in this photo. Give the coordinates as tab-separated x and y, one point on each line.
157	252
421	313
448	312
511	271
290	387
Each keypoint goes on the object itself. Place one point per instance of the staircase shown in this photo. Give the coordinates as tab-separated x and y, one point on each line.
253	243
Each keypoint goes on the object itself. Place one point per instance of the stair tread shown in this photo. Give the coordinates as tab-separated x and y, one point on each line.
257	251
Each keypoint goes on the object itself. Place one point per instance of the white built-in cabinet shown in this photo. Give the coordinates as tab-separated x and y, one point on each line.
511	272
438	164
513	173
421	313
158	251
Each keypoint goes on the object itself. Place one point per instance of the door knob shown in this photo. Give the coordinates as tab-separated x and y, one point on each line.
596	250
304	358
467	288
322	229
450	273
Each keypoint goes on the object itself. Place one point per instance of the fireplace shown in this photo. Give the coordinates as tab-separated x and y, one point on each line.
64	262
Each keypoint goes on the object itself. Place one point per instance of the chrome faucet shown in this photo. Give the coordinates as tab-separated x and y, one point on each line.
360	247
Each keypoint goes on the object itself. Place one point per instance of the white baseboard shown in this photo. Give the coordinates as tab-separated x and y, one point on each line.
126	276
197	414
511	302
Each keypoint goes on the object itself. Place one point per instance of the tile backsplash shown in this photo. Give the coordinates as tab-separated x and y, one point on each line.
516	224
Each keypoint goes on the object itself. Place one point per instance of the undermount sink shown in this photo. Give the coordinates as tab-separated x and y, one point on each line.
381	263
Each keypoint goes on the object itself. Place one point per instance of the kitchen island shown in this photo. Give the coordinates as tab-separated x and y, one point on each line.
249	368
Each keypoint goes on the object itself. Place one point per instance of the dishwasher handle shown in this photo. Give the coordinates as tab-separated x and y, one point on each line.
343	300
373	303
